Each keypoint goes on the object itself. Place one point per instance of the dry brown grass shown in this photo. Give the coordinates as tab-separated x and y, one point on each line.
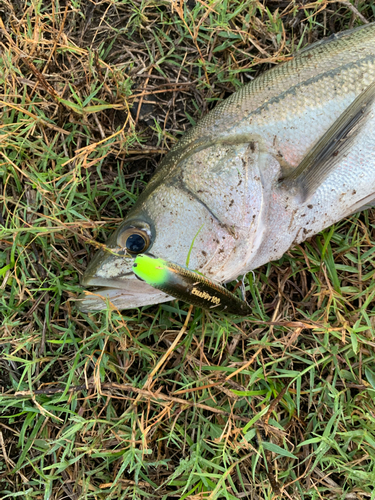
109	406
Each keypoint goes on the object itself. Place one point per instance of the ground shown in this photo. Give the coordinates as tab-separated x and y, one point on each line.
137	405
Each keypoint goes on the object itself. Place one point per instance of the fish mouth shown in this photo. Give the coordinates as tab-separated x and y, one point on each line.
129	293
124	291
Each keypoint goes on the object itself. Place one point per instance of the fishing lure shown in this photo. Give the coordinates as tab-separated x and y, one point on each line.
187	285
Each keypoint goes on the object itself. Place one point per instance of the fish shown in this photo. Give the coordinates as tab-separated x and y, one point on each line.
281	159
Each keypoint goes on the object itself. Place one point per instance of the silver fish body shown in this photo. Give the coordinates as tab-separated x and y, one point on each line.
283	158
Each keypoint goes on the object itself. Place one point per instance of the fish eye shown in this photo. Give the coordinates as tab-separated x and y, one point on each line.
135	240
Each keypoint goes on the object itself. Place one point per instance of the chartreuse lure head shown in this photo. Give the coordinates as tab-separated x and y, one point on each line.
187	285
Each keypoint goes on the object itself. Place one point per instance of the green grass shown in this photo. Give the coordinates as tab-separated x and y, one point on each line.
279	404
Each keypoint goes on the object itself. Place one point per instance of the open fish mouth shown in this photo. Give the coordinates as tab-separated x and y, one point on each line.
126	293
109	282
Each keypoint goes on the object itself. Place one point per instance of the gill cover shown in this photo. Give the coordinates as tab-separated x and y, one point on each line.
227	180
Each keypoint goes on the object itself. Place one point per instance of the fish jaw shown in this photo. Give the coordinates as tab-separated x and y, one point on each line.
115	285
130	293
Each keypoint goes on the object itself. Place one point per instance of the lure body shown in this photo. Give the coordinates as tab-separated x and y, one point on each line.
186	285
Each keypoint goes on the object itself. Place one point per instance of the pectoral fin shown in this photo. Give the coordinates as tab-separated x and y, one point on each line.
364	204
331	148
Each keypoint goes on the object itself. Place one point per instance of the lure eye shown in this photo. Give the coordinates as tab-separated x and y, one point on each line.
135	240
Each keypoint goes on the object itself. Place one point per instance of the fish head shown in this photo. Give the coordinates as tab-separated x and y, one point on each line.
197	215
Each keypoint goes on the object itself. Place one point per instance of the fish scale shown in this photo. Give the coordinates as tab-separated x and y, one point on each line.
280	160
341	52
